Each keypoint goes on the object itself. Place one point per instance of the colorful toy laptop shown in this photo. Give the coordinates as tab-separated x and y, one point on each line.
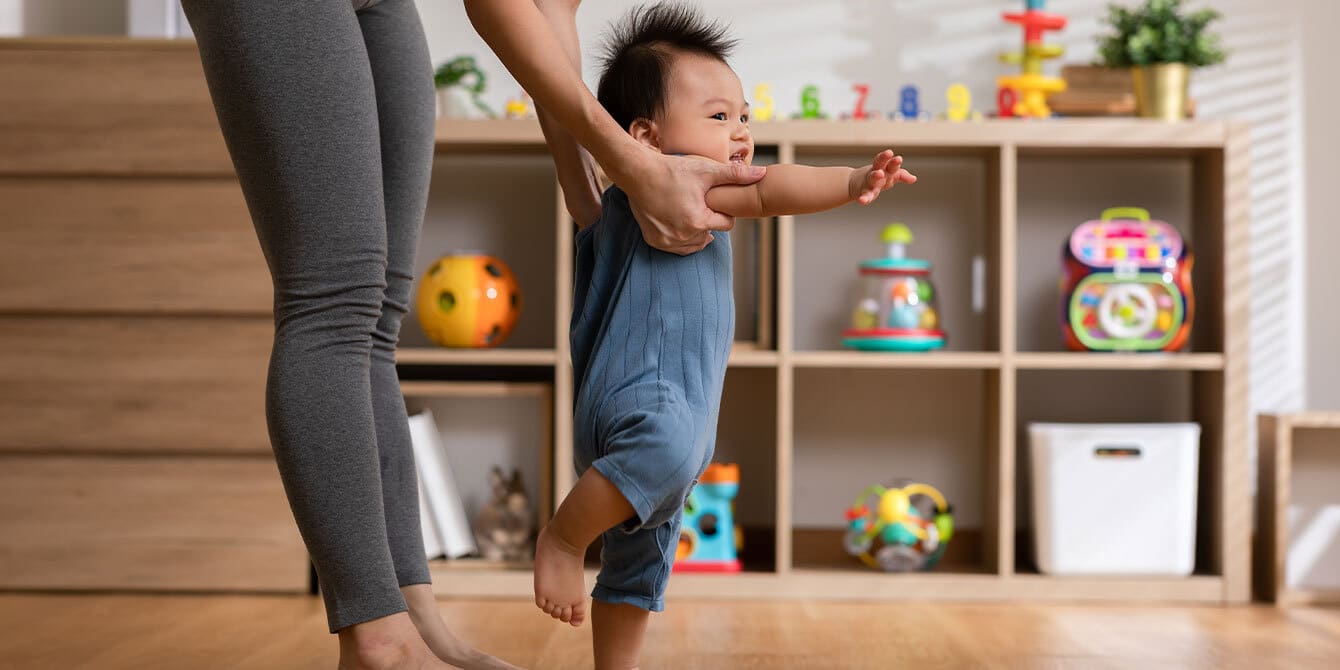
1126	284
708	538
896	311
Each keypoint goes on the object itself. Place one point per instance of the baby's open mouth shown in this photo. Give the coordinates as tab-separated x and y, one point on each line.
739	156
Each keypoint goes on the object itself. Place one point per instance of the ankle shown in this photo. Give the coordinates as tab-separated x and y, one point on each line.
388	642
553	535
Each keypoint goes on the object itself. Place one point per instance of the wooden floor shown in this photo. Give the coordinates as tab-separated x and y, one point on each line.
199	632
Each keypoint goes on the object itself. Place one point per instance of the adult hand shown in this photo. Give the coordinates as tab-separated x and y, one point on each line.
667	195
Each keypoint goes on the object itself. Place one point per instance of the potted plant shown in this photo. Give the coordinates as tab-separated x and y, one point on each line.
1160	43
459	82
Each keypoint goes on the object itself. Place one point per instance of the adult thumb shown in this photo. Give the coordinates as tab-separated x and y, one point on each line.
737	173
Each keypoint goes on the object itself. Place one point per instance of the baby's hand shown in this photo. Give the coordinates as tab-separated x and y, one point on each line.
868	182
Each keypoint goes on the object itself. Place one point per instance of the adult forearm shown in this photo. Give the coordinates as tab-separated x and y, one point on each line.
576	171
525	42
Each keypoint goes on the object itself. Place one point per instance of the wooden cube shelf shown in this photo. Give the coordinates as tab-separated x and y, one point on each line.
1280	437
988	189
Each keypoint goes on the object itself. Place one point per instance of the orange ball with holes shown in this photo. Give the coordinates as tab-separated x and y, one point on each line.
468	301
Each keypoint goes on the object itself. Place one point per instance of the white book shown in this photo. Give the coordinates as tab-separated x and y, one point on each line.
438	488
432	539
156	18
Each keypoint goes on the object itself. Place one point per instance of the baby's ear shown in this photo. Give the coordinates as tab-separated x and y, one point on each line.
644	131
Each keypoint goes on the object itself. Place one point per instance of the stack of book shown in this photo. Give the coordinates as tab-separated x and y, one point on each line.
446	529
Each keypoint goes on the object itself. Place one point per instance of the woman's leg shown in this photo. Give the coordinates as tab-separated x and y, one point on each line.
403	78
294	93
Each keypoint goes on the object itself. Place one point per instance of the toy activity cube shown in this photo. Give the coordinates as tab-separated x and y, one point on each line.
708	538
1126	284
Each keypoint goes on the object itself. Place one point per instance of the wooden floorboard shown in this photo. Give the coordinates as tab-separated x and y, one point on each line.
110	632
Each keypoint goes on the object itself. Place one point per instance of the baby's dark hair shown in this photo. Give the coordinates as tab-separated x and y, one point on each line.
639	49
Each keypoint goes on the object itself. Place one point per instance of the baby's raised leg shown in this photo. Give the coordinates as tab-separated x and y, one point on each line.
594	506
617	632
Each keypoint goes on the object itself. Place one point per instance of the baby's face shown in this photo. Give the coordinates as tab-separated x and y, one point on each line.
705	112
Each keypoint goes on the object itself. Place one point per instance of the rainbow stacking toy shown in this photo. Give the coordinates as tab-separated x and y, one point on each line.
1025	94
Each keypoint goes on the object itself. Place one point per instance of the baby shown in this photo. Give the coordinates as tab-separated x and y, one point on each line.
651	331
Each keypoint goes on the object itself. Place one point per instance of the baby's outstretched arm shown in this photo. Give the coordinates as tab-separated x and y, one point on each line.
803	189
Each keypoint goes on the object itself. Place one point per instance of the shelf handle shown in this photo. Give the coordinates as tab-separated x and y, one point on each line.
978	284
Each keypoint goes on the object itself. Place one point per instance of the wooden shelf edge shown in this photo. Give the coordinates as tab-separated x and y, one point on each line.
1300	597
751	358
1118	361
1312	419
95	43
1093	135
443	356
850	585
868	359
538	357
474	389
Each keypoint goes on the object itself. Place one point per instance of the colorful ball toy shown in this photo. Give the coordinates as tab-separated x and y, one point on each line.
1126	285
468	300
902	528
896	311
708	538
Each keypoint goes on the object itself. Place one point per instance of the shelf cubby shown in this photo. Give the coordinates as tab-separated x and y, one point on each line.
858	427
472	206
948	210
1059	191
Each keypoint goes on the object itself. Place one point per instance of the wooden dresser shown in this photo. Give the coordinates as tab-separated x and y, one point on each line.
135	328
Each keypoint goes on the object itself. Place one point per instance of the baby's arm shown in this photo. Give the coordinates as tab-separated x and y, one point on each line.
802	189
576	171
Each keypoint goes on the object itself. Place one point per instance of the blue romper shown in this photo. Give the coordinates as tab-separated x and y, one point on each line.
651	332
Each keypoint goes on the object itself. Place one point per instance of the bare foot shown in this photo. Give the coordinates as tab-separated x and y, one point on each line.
560	584
388	643
428	620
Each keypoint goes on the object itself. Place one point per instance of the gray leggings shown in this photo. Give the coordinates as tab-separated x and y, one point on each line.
327	108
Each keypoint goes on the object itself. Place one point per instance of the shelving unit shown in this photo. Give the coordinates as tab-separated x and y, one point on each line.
1298	458
812	422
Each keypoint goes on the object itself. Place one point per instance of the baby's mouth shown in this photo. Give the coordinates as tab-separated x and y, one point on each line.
739	156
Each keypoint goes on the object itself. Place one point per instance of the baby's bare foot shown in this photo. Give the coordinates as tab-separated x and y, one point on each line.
560	584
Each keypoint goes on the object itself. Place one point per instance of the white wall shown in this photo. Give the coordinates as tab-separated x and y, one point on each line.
1321	19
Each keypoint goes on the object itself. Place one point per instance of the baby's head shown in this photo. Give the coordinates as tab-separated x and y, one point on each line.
666	82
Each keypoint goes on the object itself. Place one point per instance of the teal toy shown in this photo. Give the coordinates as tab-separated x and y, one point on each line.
896	311
708	538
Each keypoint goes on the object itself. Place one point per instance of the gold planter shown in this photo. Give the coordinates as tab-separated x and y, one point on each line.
1160	91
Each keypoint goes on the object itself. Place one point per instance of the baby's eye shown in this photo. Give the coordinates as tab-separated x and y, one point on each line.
744	118
719	116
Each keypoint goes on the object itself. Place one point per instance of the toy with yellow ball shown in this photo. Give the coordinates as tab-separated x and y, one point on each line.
900	528
468	300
